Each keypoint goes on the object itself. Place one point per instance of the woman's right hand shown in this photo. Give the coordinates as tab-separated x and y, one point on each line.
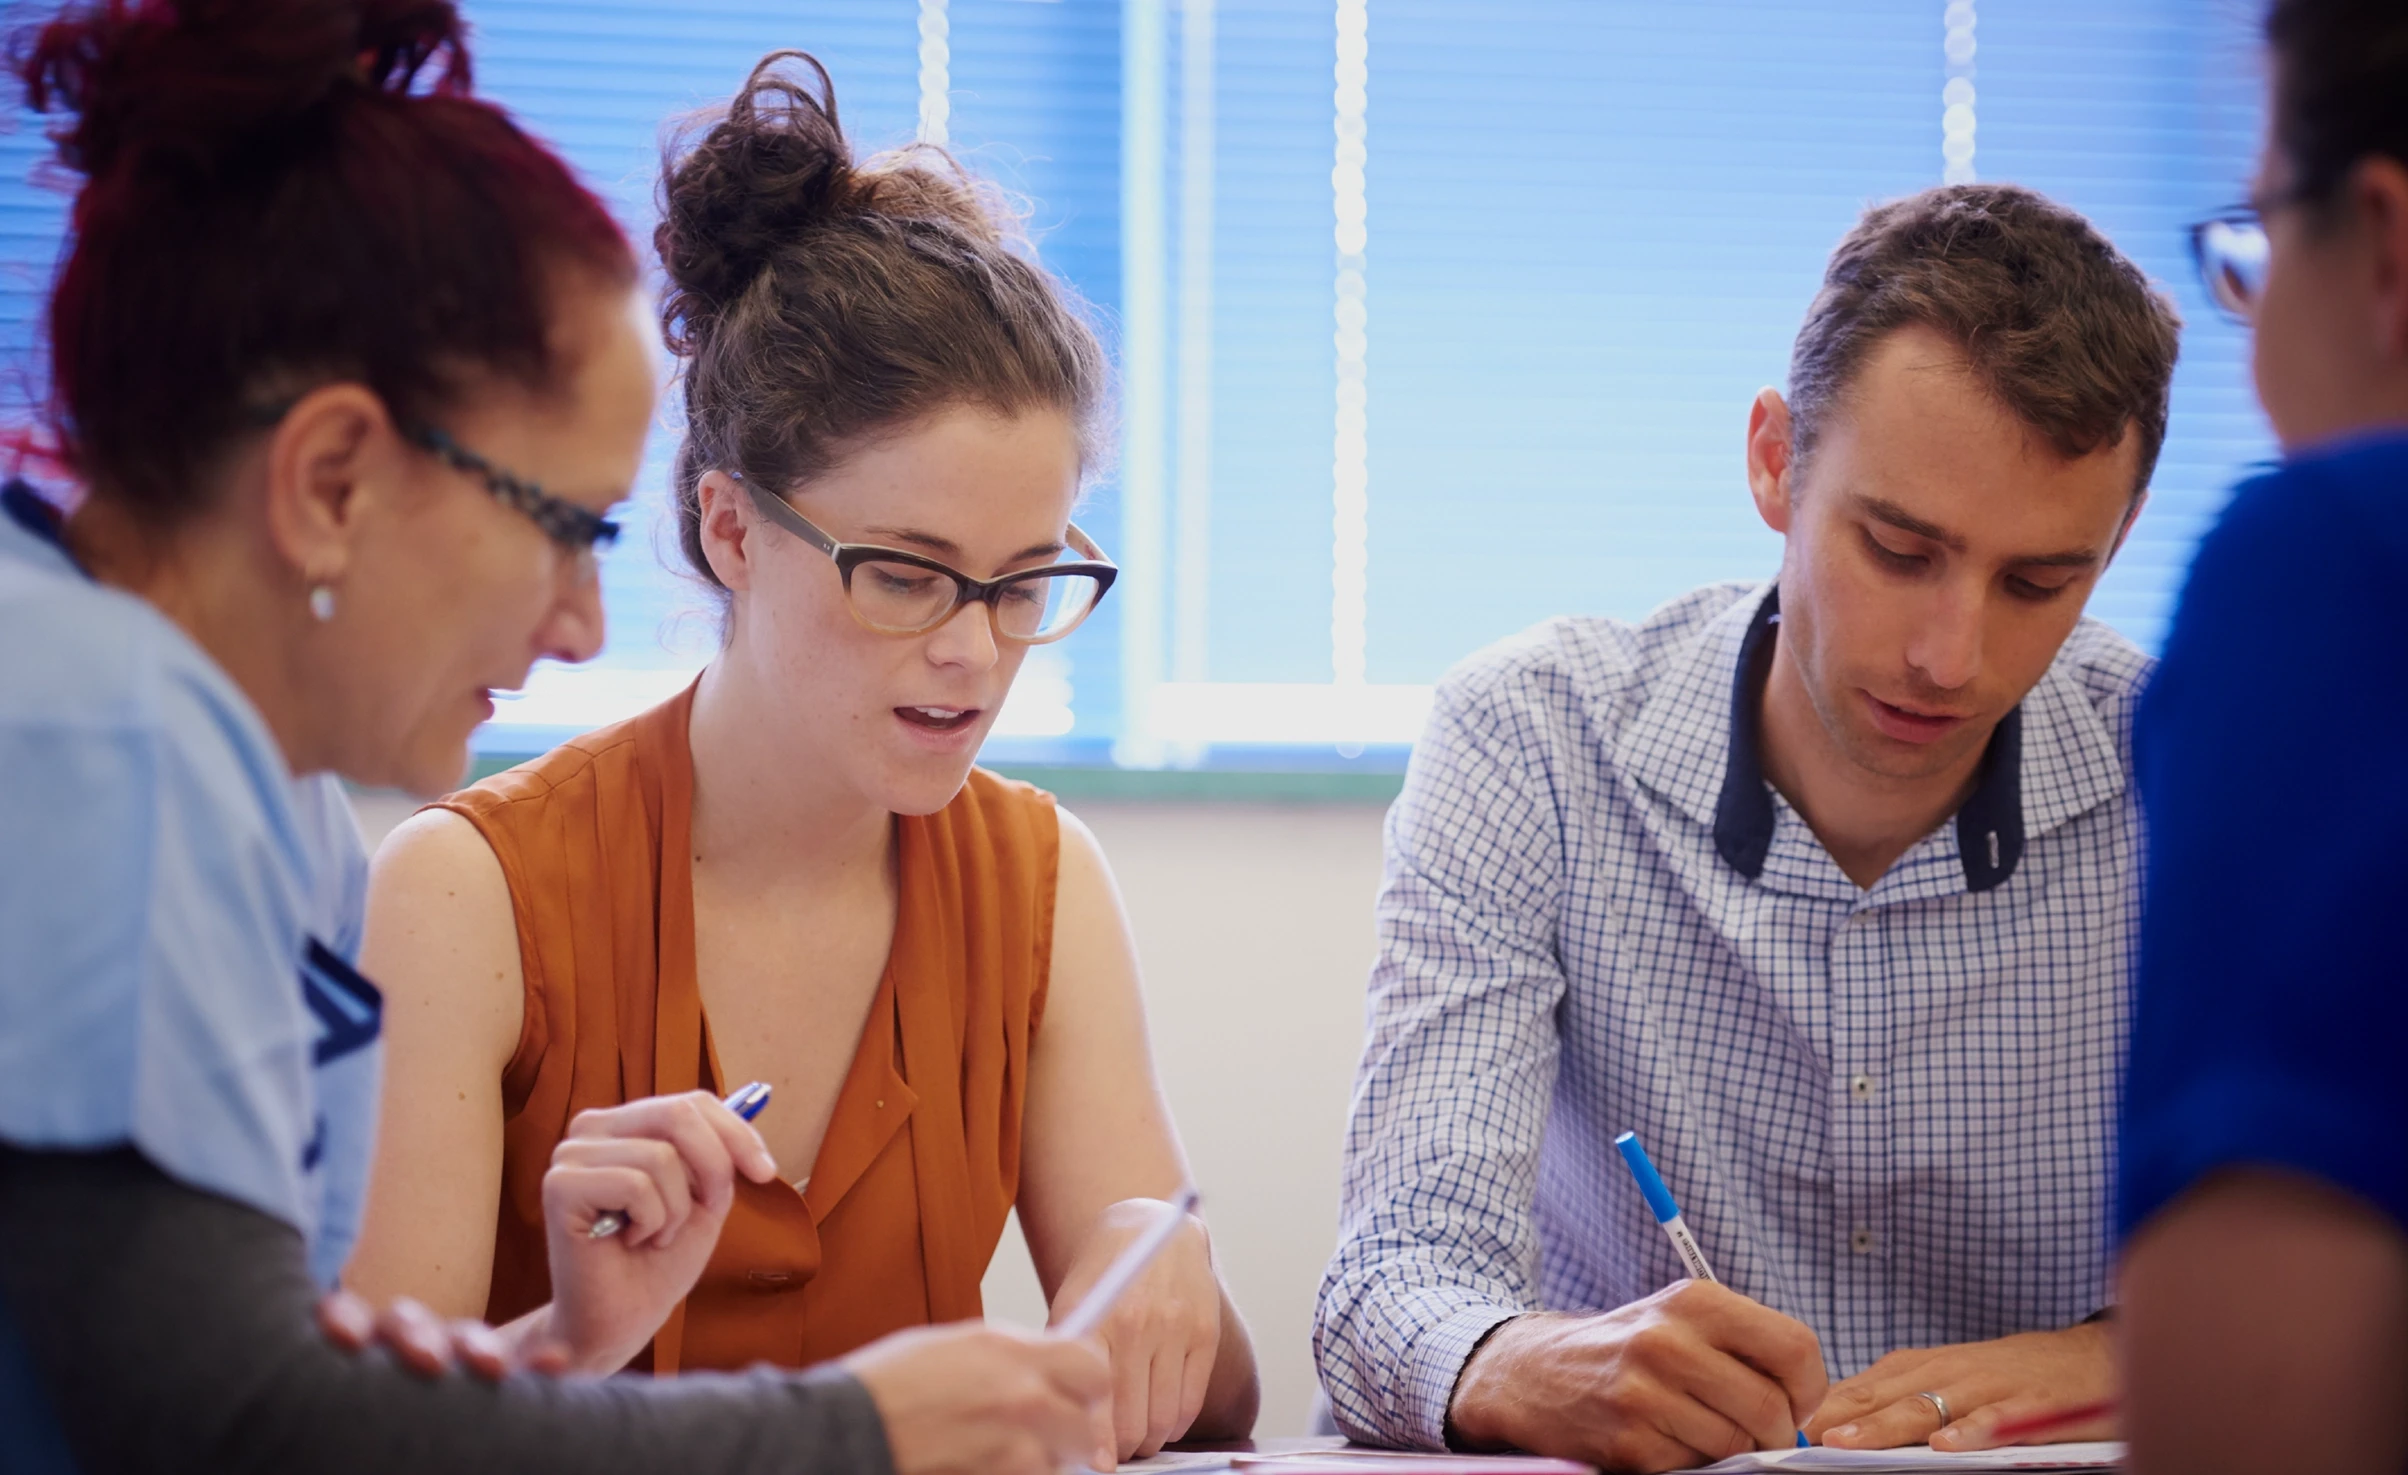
971	1399
668	1163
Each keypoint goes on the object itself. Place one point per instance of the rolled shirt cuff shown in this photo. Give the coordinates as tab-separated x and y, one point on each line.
1435	1366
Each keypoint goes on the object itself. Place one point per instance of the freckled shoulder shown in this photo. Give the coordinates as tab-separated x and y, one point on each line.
440	929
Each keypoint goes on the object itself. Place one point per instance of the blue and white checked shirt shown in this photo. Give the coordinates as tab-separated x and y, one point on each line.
1887	1113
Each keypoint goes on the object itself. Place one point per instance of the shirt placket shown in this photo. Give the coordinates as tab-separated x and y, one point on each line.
1862	1134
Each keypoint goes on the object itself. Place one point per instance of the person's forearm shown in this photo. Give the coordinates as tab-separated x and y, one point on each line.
1483	1412
531	1342
2264	1326
527	1339
1461	1029
173	1331
1234	1396
535	1335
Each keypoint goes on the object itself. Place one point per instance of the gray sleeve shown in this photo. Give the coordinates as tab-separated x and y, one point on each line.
173	1330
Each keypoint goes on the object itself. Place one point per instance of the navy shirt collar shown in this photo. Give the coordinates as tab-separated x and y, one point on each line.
29	510
1989	825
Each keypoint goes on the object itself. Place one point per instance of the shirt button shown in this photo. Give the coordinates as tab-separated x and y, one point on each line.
1861	1241
1861	1087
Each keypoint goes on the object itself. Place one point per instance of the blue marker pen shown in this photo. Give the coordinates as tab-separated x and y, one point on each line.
744	1101
1659	1202
1668	1214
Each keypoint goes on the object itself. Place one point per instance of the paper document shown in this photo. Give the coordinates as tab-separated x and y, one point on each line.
2104	1456
1336	1457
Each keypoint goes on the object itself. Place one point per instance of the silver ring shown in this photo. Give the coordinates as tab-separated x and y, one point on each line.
1939	1406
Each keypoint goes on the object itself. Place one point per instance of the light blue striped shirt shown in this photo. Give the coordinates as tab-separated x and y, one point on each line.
1887	1113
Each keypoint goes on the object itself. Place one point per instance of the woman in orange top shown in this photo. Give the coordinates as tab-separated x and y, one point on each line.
791	872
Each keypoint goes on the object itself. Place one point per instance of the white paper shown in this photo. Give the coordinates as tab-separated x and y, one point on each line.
2102	1456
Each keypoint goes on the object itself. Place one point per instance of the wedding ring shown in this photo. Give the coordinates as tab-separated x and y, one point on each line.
1939	1406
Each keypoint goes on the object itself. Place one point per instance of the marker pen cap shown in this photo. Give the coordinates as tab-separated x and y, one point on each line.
1659	1199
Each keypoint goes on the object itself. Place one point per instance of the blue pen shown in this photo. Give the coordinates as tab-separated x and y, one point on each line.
1668	1214
745	1101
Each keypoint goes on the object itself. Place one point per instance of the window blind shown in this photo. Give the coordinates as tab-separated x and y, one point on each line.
1436	319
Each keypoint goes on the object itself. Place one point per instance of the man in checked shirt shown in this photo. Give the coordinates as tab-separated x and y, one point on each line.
1825	887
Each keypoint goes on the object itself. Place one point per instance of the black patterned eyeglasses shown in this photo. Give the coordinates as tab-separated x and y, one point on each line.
579	531
899	593
575	530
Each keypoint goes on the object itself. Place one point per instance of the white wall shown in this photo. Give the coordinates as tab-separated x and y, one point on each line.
1254	924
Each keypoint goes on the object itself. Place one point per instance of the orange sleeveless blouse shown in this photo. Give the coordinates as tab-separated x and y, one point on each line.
906	1201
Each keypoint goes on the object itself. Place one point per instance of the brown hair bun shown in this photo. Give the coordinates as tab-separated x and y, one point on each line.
773	167
819	303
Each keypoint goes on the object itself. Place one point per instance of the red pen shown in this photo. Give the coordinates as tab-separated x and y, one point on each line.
2016	1432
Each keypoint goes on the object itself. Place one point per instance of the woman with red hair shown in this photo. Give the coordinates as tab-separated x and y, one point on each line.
349	371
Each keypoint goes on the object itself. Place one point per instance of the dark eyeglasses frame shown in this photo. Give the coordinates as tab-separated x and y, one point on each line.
574	528
2251	213
966	590
577	530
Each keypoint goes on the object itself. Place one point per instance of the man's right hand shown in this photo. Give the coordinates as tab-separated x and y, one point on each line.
1693	1374
982	1400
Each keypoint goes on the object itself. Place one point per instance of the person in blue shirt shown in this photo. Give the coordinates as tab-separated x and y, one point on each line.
2265	1145
326	331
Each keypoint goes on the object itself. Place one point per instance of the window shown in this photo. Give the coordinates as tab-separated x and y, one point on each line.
1435	319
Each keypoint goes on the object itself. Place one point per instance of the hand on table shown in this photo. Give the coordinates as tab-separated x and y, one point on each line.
425	1343
669	1163
1692	1374
1162	1334
978	1400
1985	1384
